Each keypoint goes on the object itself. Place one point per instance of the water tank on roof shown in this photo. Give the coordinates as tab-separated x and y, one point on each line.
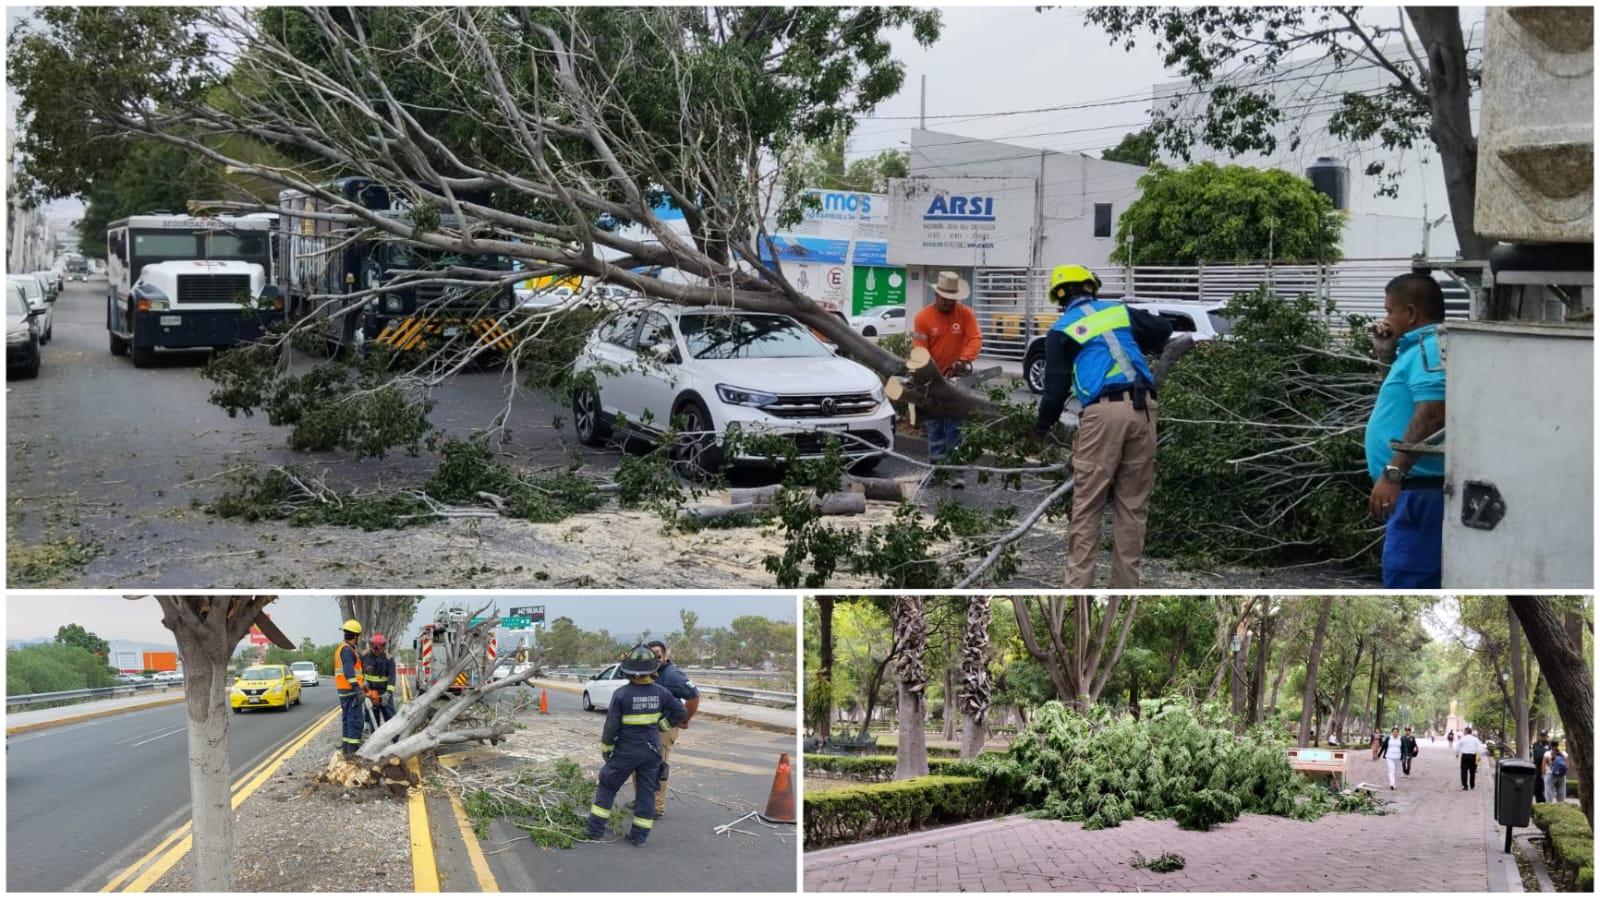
1332	179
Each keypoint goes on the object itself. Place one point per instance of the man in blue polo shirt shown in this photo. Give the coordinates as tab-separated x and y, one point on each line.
1408	489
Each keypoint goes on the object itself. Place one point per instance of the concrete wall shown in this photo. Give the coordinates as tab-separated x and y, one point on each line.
1072	184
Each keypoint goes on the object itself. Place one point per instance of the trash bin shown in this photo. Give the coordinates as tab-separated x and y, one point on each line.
1513	794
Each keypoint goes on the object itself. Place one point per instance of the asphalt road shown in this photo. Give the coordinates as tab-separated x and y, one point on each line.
84	801
720	771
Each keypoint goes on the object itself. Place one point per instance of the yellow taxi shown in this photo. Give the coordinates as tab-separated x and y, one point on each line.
263	687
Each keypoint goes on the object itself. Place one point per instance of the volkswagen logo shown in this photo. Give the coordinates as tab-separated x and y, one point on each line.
830	406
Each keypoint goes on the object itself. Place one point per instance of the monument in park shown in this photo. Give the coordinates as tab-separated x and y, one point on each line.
1453	722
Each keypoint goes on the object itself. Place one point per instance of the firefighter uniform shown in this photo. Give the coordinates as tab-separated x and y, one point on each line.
677	682
347	678
631	744
378	671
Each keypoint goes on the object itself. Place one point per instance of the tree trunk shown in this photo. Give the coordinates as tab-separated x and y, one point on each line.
1571	682
1308	706
1449	94
207	629
911	757
1377	716
1519	684
1054	658
949	717
1258	678
824	677
975	678
1290	607
1241	685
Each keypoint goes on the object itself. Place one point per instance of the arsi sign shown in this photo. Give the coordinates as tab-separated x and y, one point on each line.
960	222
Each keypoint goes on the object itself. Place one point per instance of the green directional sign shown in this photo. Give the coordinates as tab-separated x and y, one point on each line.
516	623
477	621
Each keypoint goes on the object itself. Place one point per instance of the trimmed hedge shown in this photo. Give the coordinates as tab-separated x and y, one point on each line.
891	743
846	815
1570	841
863	768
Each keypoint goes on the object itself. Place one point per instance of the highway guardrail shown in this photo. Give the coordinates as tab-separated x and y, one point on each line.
62	697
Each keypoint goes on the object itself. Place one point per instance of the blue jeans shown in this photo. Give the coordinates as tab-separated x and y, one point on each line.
944	435
353	717
1413	539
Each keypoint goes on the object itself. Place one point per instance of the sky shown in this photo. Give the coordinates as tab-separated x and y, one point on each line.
317	617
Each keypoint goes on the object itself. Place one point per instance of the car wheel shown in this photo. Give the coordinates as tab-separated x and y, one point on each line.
696	456
588	706
119	345
592	432
31	371
143	357
866	465
869	331
1033	367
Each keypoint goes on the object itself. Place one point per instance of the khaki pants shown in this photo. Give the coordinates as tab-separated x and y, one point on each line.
668	738
1116	446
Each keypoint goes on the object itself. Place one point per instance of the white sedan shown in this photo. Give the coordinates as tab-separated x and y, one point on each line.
38	301
598	690
880	320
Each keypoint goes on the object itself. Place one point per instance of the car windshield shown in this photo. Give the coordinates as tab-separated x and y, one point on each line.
15	305
28	285
262	673
725	335
303	666
404	256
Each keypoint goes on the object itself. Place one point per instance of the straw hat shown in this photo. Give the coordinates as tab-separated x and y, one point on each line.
952	286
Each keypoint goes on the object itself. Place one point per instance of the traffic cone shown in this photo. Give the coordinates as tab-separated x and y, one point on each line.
544	703
780	804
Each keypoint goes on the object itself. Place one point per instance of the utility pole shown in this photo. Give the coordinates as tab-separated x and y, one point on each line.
922	119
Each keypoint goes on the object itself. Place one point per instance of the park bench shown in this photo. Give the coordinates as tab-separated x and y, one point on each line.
1317	761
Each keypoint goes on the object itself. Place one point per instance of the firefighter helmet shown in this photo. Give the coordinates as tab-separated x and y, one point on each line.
641	660
352	626
1062	276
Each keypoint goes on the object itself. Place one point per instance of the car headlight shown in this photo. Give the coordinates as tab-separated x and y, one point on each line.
878	394
745	397
503	303
393	303
17	337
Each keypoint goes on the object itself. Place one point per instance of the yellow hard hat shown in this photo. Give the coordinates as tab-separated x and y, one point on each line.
353	626
1069	274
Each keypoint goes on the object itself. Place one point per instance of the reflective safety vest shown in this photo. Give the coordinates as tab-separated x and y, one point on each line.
1092	325
339	680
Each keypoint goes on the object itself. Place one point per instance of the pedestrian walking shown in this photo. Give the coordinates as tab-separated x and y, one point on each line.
1467	749
1095	352
1407	488
1555	774
631	742
949	331
1408	751
678	684
1392	749
348	681
1541	746
377	669
1450	738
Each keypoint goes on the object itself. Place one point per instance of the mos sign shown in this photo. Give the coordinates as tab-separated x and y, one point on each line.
961	221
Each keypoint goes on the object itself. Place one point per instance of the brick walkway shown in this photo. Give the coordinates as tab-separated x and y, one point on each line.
1433	840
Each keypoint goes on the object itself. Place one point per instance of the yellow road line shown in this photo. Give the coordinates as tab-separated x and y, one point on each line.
84	717
424	870
242	790
480	865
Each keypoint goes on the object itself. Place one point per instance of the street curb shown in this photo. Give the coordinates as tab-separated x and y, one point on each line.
720	717
56	723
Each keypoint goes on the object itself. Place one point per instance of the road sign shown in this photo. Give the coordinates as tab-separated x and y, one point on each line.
479	620
531	613
515	623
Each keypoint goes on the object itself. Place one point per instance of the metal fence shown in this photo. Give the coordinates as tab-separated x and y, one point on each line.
1012	305
781	699
62	698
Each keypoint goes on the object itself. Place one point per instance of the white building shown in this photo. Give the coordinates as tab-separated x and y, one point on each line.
1415	220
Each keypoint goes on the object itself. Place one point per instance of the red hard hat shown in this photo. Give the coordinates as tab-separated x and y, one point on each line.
378	640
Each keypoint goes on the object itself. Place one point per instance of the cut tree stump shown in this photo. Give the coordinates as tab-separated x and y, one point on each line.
888	489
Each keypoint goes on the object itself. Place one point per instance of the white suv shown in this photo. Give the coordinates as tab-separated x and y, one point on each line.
1202	320
716	371
306	672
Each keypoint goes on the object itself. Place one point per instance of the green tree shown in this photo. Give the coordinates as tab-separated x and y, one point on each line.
1212	213
46	668
75	635
823	166
1426	94
1136	148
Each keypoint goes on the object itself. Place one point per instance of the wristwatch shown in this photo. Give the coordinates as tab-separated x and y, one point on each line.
1394	474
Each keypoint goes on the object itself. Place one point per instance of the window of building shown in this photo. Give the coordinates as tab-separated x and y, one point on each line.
1102	220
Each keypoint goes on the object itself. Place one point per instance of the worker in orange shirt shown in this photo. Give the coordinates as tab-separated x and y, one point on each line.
949	330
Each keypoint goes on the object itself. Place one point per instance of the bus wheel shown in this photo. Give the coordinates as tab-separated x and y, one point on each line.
119	345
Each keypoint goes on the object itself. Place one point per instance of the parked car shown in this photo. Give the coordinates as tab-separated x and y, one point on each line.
542	298
166	677
22	334
1201	319
306	672
717	371
597	693
263	687
52	287
38	301
130	678
880	320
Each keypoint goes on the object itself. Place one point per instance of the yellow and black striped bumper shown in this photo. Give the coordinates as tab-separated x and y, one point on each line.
415	333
